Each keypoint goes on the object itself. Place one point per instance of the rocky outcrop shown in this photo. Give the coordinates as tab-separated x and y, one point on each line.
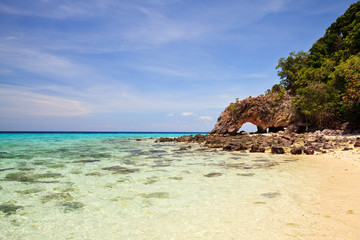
270	111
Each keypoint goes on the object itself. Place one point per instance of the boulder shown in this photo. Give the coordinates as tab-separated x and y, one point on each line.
357	142
297	150
256	148
309	151
277	150
285	141
234	147
328	146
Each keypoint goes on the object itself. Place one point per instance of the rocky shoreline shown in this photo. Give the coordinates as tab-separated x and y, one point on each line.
318	142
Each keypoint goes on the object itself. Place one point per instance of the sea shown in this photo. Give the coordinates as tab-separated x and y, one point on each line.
81	185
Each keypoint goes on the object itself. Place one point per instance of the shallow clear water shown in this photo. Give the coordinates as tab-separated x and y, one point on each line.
114	186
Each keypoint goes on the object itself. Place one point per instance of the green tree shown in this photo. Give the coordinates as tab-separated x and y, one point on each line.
315	103
290	67
347	78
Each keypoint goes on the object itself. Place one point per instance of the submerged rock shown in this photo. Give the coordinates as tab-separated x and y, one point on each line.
93	174
56	166
246	174
56	196
176	178
156	195
20	177
9	208
30	178
30	191
86	161
121	170
271	194
6	169
72	206
214	174
235	147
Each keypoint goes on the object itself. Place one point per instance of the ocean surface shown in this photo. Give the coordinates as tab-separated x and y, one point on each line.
128	186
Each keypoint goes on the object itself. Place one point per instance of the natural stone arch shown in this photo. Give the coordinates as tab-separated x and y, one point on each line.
269	111
248	127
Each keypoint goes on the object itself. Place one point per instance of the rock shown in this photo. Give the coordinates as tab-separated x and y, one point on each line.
72	206
330	132
199	137
277	150
120	169
6	169
293	128
56	196
266	111
215	146
215	174
183	148
86	161
297	150
234	147
256	148
9	208
309	151
357	142
320	138
165	139
347	149
328	146
156	195
271	194
285	141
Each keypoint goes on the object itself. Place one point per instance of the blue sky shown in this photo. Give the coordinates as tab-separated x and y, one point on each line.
145	65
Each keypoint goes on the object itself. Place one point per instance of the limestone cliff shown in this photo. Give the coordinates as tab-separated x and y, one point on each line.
270	111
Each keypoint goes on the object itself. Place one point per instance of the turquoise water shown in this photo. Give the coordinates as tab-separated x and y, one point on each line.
127	186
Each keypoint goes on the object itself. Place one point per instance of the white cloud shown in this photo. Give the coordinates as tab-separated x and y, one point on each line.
163	71
57	9
20	102
188	114
170	115
39	62
208	118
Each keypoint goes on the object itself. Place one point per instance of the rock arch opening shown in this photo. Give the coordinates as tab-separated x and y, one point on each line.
248	127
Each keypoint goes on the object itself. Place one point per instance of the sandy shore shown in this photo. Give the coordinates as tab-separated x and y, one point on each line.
336	211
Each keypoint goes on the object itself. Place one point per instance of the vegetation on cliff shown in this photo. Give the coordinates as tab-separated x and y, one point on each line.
325	81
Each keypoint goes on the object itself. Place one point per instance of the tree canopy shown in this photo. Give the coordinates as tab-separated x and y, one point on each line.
325	81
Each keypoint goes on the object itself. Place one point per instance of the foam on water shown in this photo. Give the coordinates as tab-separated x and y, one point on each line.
107	186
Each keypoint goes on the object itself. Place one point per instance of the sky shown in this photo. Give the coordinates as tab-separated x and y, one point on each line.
145	65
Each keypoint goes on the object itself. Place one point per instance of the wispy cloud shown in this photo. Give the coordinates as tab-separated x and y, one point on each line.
140	24
39	62
56	9
208	118
186	114
21	102
164	71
